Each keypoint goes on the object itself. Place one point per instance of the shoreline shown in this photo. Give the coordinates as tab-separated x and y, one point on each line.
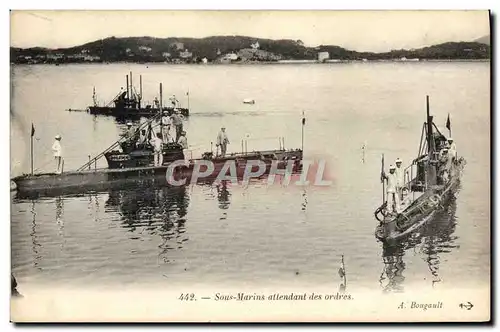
280	62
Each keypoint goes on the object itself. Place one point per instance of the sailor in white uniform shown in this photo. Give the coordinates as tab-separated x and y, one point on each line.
400	178
452	149
130	133
184	144
392	196
157	144
222	141
57	150
143	140
166	124
445	165
174	101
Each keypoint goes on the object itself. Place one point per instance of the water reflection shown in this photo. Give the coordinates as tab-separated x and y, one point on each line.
434	240
304	197
223	195
94	206
439	239
392	278
145	208
95	124
34	240
146	204
156	209
59	215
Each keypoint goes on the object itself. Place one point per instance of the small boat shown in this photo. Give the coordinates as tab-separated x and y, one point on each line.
249	101
128	104
431	185
121	110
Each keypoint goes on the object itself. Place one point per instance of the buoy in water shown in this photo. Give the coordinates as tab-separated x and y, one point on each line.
248	101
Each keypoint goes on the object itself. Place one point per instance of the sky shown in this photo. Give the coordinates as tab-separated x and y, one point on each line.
375	31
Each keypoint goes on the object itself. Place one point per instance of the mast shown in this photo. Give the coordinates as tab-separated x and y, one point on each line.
161	110
127	87
31	146
131	87
430	145
140	90
382	178
431	176
303	124
161	96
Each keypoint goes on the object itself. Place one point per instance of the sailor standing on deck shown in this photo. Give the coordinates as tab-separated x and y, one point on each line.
130	133
57	149
400	178
177	122
392	196
142	141
444	165
184	144
157	144
452	149
166	122
222	141
174	101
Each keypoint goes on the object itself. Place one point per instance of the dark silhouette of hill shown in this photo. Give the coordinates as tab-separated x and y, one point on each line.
150	49
113	48
450	50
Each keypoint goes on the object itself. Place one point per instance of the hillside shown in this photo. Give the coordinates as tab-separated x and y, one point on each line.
450	50
113	48
484	40
229	48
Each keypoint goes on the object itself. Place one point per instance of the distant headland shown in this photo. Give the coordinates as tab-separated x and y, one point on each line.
236	49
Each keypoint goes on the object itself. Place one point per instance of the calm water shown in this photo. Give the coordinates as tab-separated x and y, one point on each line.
223	235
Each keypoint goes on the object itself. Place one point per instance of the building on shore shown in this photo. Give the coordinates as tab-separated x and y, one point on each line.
323	56
255	46
185	54
91	58
177	46
57	56
145	49
230	56
405	59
